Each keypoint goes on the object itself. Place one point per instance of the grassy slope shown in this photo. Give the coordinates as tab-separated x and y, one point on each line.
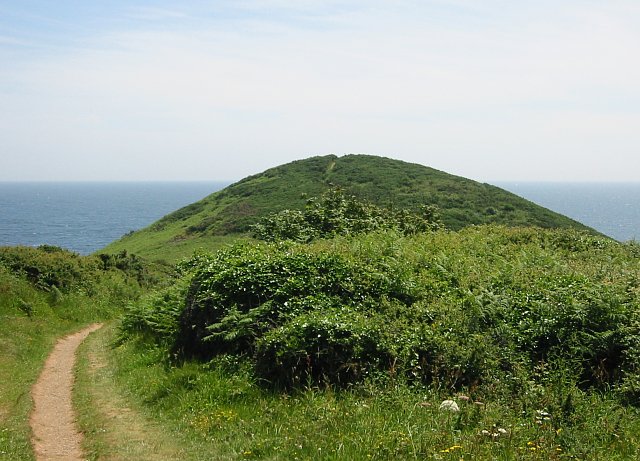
223	215
32	319
220	402
113	425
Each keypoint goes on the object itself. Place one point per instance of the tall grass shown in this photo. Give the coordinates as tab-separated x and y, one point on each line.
220	404
34	313
533	333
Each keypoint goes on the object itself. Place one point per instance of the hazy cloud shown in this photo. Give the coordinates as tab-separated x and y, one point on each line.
492	90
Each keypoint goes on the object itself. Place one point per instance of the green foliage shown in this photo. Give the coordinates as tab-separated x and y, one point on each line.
45	293
481	308
157	313
239	293
48	266
130	264
60	271
25	307
535	333
218	406
386	183
336	213
56	295
325	345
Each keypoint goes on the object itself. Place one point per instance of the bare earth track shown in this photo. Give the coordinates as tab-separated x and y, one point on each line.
55	436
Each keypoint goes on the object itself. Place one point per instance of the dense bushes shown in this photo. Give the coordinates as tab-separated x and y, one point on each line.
49	267
336	345
66	280
485	307
130	264
239	294
336	213
156	315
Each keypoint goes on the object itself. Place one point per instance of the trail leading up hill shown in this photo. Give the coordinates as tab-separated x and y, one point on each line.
55	436
229	213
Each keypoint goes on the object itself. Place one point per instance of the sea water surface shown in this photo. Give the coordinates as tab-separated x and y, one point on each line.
610	208
86	216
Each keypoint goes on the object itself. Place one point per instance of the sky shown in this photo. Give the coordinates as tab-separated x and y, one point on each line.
493	90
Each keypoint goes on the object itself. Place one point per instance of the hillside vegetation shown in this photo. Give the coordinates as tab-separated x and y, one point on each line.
384	182
354	296
344	345
45	293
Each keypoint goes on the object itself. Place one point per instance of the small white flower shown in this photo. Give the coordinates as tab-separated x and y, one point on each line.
449	405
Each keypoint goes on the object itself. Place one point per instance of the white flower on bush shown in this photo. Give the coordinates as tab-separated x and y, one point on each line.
449	405
497	432
542	416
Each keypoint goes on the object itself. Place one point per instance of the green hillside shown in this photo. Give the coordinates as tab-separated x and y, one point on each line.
390	183
46	293
490	343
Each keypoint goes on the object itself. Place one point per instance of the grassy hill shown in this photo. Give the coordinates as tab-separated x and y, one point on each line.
45	293
357	347
228	213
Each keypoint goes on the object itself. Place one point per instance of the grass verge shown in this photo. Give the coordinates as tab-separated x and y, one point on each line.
225	415
25	343
114	424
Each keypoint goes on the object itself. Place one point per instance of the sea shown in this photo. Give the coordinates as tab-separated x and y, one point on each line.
86	216
610	208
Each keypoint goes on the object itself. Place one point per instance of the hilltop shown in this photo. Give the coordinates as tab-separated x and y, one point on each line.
229	213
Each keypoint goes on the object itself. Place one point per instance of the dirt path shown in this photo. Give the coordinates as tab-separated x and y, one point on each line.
55	436
115	428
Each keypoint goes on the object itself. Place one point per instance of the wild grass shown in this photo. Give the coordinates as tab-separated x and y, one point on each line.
112	424
164	248
33	315
532	333
219	403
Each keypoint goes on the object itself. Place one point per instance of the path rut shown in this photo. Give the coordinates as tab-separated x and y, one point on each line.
55	435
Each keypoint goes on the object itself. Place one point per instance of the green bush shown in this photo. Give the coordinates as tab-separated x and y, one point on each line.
335	346
335	213
49	266
484	308
240	293
157	314
66	278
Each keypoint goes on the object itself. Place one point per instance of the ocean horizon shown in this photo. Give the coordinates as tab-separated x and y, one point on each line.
86	216
610	208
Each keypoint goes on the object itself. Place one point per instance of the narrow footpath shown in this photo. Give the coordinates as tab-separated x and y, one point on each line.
55	435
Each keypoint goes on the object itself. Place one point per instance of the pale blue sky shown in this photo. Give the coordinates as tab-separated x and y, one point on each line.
492	90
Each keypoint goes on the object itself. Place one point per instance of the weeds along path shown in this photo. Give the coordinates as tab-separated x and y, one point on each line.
114	425
55	436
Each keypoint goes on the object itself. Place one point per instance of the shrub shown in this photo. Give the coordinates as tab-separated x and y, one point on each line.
156	315
335	346
483	308
238	294
335	213
48	266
